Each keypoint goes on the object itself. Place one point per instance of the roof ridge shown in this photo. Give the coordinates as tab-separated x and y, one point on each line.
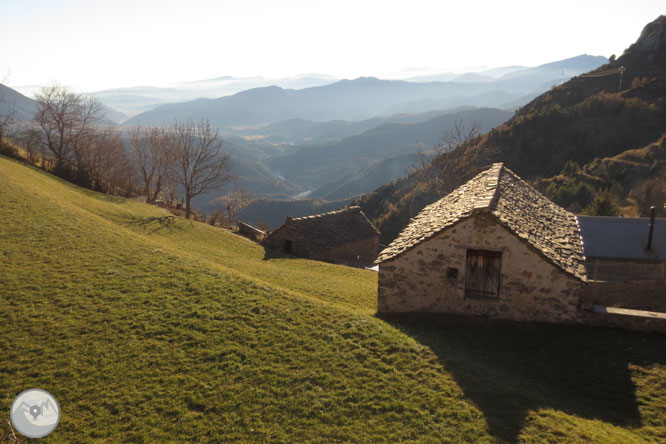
500	170
353	208
491	185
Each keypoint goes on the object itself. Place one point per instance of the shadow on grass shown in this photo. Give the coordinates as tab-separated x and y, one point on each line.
151	224
509	369
270	254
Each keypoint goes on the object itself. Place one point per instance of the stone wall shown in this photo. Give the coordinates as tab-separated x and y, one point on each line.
276	240
356	253
361	253
644	324
531	288
613	270
638	295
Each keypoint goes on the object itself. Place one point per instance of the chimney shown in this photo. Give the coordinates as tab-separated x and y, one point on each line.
649	244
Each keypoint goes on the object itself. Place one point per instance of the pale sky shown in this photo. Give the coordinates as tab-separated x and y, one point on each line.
98	44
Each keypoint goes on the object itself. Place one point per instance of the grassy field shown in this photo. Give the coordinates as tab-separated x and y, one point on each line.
152	332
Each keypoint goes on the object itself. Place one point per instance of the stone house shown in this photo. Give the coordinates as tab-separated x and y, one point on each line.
345	236
493	247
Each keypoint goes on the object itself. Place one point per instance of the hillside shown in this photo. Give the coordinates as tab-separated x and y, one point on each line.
636	178
315	166
179	332
23	108
580	120
369	178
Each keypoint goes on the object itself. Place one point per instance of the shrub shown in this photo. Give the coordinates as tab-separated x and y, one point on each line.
9	150
605	204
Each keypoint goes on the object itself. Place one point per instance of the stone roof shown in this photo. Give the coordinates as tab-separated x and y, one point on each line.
498	191
328	230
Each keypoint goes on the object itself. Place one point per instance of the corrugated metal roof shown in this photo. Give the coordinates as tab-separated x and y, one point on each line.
622	237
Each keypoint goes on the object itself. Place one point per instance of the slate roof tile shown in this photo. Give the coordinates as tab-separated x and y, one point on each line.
328	230
550	229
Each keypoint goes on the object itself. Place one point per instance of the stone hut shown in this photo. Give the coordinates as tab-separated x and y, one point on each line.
493	247
251	232
345	236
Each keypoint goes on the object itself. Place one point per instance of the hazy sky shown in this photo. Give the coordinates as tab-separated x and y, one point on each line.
97	44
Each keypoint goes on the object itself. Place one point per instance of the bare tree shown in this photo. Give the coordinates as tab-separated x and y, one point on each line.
197	162
6	117
430	166
451	139
66	119
233	203
30	138
459	134
420	159
7	110
105	161
150	153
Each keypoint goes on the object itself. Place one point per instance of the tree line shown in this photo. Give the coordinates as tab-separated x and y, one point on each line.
68	138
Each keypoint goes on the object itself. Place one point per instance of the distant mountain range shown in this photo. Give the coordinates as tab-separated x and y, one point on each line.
135	100
367	97
232	102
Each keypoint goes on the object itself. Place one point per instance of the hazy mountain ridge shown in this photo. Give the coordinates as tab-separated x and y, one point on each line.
357	99
137	99
315	166
12	101
302	131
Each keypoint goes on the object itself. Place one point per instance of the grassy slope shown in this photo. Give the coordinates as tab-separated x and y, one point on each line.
146	332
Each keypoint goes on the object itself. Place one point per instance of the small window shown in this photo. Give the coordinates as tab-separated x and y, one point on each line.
482	274
452	273
288	244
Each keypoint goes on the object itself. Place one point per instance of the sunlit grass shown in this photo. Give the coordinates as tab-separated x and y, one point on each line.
186	333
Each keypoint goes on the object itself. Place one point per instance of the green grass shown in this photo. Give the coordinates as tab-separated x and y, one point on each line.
147	332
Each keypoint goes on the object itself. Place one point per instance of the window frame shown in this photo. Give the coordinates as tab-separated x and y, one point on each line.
495	279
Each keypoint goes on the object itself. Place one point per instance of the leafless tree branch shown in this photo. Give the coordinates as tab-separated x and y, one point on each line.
197	162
